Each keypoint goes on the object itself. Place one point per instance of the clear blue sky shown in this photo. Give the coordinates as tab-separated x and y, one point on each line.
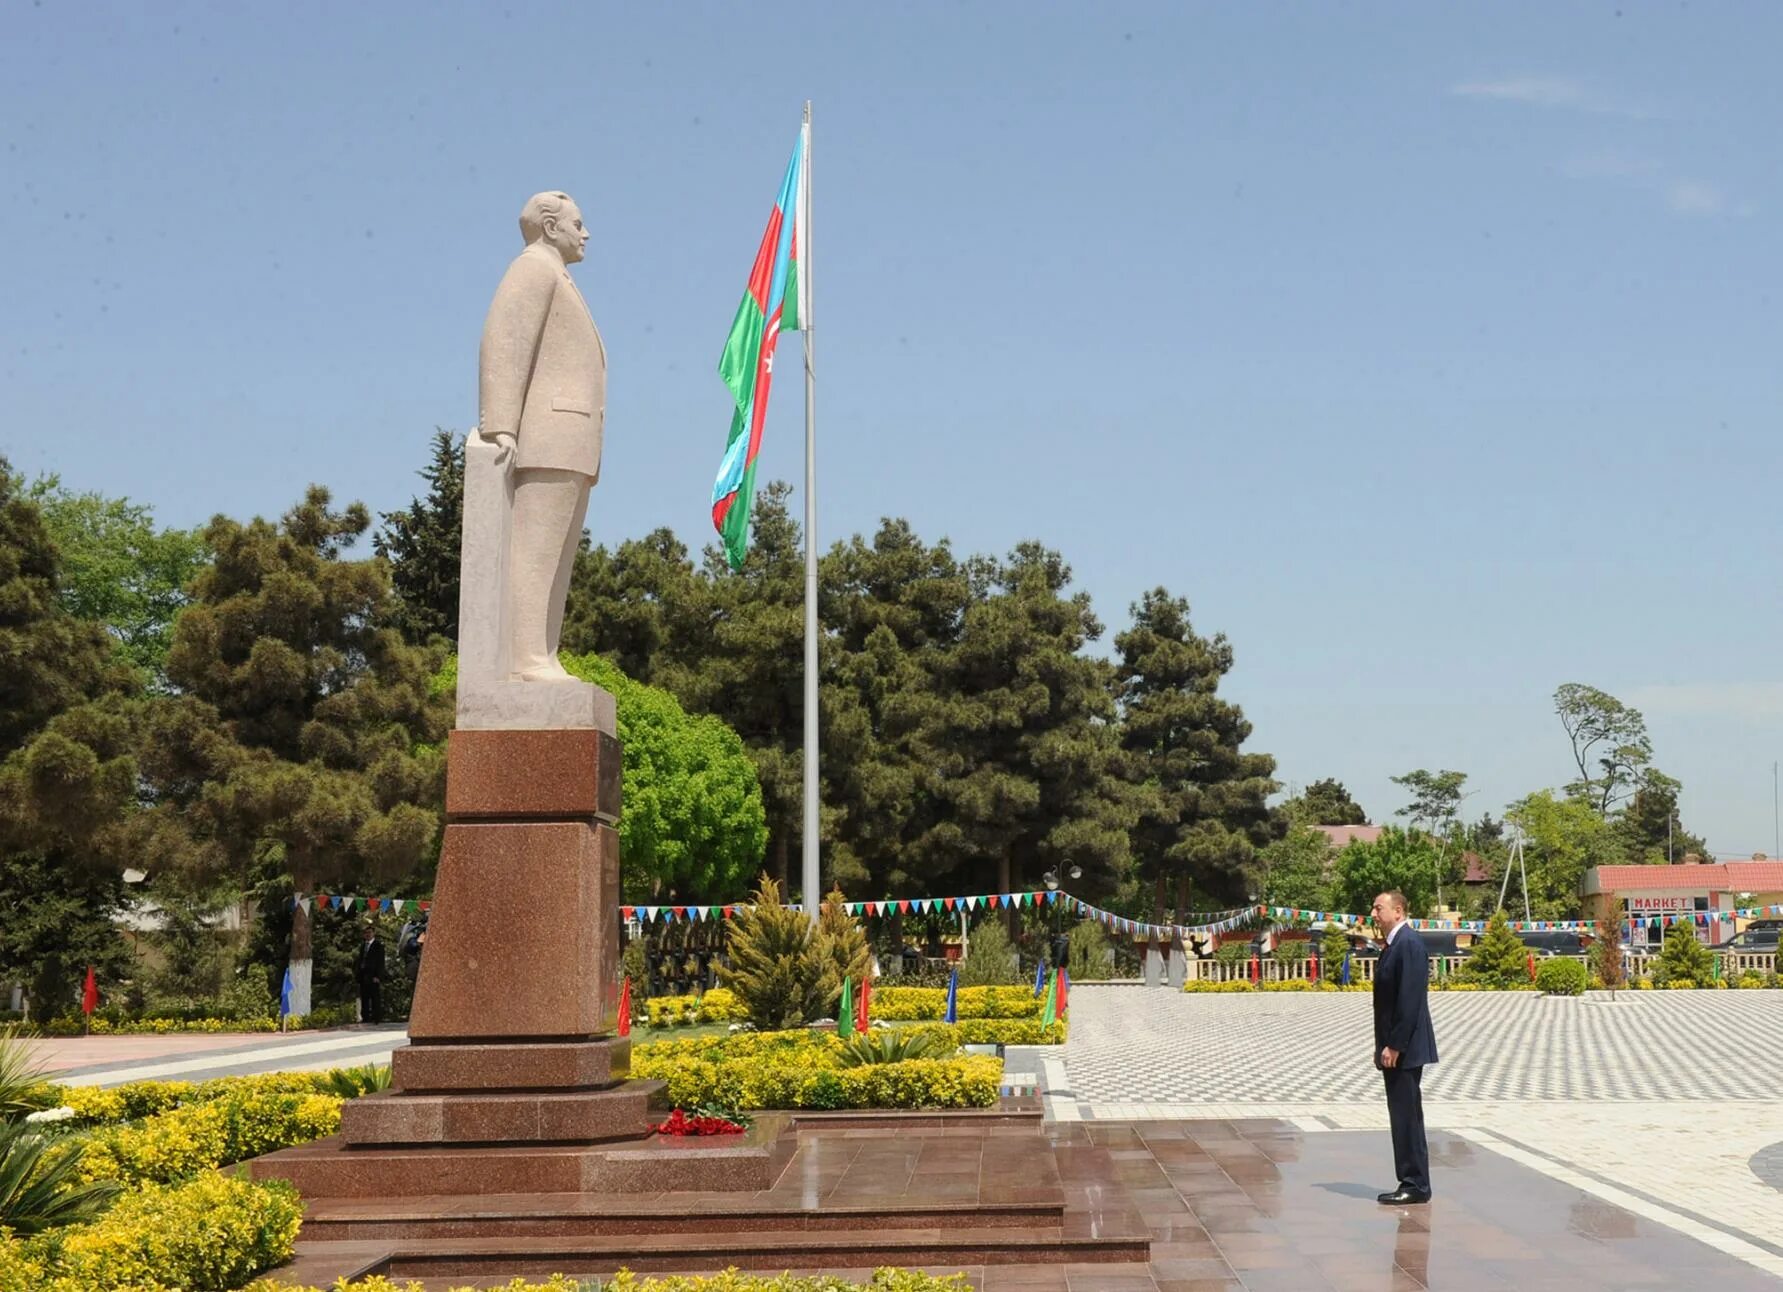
1434	355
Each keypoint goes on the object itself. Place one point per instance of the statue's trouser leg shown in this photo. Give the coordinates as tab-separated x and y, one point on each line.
566	566
548	510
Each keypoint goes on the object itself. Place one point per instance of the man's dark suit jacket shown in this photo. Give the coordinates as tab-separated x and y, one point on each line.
1402	1001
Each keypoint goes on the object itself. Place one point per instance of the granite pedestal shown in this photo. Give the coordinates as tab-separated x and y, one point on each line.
513	1080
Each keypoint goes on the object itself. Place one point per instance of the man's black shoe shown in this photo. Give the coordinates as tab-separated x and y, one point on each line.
1403	1198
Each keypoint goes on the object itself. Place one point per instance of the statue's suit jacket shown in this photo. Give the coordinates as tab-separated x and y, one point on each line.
543	368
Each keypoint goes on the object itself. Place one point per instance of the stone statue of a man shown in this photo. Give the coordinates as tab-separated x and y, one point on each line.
543	398
528	470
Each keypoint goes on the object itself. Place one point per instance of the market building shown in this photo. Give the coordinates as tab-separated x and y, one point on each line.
1691	887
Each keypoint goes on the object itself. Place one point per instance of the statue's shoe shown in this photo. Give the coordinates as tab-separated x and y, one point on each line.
545	673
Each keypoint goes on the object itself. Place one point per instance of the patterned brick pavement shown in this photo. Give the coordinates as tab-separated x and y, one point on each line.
1138	1045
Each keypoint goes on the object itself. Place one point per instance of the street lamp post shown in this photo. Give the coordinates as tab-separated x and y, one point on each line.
1051	880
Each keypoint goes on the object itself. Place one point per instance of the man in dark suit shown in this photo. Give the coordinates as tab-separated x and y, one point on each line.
1404	1043
368	968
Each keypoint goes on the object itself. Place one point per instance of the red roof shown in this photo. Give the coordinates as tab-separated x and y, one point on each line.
1342	836
1760	875
1476	869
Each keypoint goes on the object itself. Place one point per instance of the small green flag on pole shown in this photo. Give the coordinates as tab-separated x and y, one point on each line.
845	1011
1052	1001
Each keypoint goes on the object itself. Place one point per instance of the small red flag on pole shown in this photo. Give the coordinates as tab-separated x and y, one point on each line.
1532	966
89	997
625	1008
861	1010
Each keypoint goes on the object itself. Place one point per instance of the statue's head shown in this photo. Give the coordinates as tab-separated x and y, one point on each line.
556	220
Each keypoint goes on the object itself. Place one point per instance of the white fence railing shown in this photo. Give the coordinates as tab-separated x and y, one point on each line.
1269	969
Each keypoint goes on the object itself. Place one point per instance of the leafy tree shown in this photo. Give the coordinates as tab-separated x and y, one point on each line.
773	966
693	819
1683	958
1202	801
1563	837
1326	802
1498	958
1606	947
118	569
1087	958
421	543
1435	807
1397	860
1293	870
1609	743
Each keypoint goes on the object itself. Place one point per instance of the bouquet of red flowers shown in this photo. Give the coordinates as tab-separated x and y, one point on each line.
680	1123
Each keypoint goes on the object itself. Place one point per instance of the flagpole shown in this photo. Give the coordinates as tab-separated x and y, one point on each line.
810	876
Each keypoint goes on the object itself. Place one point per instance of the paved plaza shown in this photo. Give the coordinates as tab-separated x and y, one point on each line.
1659	1105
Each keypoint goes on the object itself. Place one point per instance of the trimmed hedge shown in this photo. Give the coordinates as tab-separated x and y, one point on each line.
732	1280
138	1099
929	1004
209	1234
996	1031
183	1142
804	1070
720	1005
1560	977
103	1025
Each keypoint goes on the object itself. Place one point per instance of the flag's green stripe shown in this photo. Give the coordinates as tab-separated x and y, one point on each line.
789	310
736	521
742	353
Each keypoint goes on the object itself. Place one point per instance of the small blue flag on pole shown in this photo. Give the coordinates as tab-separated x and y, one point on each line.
285	994
1346	968
1040	976
953	996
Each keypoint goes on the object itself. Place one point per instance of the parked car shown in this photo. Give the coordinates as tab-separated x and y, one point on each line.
1761	937
1552	942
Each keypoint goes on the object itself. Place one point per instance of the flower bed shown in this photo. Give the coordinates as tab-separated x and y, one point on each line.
135	1100
182	1142
680	1122
925	1004
112	1025
212	1232
719	1005
883	1280
804	1070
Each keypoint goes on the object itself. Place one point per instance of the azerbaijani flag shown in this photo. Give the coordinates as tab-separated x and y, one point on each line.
770	305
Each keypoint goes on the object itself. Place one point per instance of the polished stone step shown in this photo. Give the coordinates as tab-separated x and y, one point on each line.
556	1116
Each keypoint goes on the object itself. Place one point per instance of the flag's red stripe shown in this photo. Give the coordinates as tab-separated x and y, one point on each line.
763	271
721	509
764	378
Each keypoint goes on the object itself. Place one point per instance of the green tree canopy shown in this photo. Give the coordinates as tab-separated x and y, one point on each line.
421	543
1609	744
1294	870
1326	802
1201	799
1397	860
1563	837
119	570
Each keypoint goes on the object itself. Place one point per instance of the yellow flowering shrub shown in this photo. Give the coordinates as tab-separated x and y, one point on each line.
996	1031
185	1141
720	1005
212	1232
804	1070
138	1099
923	1004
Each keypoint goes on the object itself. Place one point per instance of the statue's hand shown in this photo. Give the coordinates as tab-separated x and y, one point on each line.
505	445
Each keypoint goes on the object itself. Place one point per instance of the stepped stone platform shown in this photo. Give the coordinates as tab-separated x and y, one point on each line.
949	1190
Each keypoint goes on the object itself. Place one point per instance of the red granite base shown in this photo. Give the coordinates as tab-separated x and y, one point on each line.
513	1117
518	1065
333	1168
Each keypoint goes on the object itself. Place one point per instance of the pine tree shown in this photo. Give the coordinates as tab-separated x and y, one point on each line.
990	959
1203	808
304	737
1333	947
1683	958
773	965
57	895
421	543
1498	958
1017	734
841	949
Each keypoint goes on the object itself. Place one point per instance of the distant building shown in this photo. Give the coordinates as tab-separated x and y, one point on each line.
1692	886
1342	836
